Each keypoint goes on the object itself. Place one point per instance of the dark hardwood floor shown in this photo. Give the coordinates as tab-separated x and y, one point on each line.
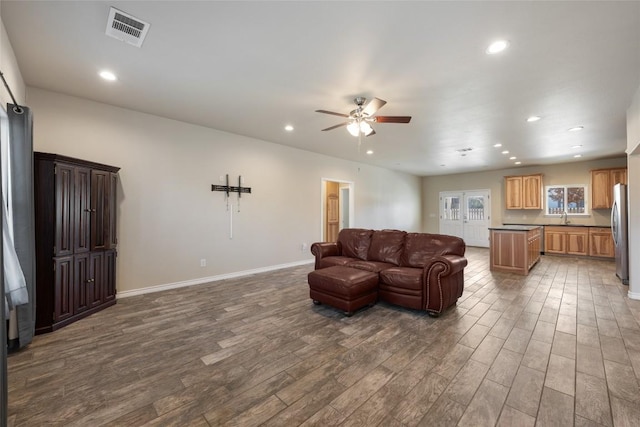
558	347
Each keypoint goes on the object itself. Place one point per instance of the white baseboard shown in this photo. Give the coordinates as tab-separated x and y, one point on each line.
633	295
202	280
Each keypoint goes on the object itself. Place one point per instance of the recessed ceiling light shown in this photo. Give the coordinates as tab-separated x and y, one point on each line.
369	151
578	155
518	163
497	145
288	128
108	75
497	47
512	158
576	146
533	119
575	129
505	152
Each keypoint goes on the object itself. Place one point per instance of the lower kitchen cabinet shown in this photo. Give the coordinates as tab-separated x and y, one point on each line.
601	242
566	240
581	241
577	241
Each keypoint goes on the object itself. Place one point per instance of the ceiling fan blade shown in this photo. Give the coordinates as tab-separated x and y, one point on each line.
332	113
373	132
337	126
392	119
374	105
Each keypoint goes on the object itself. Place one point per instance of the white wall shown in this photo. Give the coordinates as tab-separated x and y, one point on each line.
9	67
169	219
633	159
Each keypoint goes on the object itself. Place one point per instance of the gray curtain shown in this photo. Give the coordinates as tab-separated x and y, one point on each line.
21	158
3	351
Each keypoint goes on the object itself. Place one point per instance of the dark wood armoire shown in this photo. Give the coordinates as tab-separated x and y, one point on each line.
75	214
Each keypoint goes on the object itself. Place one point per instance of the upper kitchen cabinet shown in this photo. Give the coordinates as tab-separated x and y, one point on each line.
523	192
602	182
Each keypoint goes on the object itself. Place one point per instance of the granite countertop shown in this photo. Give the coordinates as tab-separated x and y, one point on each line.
516	227
560	225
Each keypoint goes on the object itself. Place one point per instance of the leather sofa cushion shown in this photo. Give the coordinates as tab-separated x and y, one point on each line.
386	246
373	266
402	277
355	242
419	248
331	261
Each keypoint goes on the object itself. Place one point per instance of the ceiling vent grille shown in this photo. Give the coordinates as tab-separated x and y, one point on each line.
126	28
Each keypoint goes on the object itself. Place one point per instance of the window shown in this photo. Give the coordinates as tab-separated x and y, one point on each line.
571	199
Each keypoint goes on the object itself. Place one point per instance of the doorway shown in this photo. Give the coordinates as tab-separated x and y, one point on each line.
337	208
466	214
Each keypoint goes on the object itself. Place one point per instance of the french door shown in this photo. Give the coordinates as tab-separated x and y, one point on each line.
466	214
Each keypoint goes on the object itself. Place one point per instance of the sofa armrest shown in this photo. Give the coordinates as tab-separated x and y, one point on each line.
324	249
447	264
443	282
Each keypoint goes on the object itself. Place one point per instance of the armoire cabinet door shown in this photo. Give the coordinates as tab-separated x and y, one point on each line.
109	275
82	210
64	197
63	284
96	283
99	208
81	283
111	211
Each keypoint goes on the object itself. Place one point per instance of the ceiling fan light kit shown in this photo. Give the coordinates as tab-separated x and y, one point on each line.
360	119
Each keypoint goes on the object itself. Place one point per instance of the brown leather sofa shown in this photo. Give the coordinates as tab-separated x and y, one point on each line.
415	270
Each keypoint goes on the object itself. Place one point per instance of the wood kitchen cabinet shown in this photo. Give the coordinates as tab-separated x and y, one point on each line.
75	215
523	192
602	182
601	242
566	240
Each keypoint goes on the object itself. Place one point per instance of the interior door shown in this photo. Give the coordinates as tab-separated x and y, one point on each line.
333	212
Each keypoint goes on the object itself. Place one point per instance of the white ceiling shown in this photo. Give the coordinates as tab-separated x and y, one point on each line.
252	67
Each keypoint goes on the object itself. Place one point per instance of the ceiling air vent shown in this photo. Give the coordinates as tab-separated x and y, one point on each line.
126	28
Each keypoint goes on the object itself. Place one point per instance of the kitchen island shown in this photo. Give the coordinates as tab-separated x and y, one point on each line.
514	248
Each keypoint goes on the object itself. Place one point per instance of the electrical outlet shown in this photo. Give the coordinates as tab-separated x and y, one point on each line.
303	247
203	262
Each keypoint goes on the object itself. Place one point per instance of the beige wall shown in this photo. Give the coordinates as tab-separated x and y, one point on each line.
567	173
633	151
169	219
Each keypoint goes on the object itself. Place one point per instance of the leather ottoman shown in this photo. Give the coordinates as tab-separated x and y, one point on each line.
347	289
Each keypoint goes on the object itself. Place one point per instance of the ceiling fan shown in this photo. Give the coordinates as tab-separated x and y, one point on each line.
360	119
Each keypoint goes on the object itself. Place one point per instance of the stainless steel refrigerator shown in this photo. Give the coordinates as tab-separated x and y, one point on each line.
619	231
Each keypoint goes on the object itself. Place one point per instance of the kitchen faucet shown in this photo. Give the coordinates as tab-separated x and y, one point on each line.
564	218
